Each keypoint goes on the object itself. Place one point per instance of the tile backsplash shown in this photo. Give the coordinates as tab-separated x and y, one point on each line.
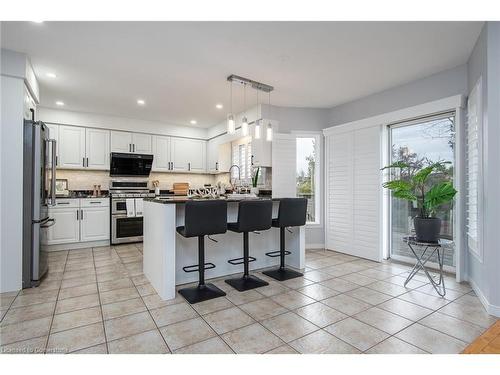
85	180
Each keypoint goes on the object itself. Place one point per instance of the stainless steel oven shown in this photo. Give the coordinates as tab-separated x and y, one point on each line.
124	227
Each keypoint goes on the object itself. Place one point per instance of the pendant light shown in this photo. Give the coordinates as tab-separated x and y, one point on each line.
231	126
269	128
244	123
257	122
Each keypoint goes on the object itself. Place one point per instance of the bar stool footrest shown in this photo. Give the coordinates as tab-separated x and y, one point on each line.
196	268
274	254
237	261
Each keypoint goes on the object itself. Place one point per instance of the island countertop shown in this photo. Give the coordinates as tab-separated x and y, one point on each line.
184	199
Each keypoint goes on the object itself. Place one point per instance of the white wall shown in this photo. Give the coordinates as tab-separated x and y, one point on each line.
11	171
440	85
485	62
117	123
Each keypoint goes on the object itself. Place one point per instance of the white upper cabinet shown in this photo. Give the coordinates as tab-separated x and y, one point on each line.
71	147
97	148
188	155
138	143
121	141
161	153
141	143
212	155
224	157
218	156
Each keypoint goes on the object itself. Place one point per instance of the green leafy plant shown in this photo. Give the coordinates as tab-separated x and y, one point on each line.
430	187
255	177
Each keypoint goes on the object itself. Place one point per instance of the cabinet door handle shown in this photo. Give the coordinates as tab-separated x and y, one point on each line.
81	212
216	165
77	215
95	202
83	162
189	166
57	160
59	203
133	147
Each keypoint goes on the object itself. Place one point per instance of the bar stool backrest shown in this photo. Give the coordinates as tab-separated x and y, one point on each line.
205	218
255	215
292	212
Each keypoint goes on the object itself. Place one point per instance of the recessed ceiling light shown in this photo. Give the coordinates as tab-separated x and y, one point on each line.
51	75
193	122
141	102
37	21
219	106
59	103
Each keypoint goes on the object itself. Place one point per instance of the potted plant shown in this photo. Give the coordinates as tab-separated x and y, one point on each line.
429	188
255	178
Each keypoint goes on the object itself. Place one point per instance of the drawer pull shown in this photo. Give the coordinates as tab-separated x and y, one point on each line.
58	203
95	202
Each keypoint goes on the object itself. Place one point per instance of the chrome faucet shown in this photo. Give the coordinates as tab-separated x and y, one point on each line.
230	174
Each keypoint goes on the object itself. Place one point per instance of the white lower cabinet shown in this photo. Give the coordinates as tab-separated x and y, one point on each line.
66	228
94	224
79	220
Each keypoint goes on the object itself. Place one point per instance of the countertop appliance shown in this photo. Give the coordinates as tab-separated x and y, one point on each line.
127	228
130	165
39	171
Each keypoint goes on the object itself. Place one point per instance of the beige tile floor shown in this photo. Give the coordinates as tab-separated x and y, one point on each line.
98	301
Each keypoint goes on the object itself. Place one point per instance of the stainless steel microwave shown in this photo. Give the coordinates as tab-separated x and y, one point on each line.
130	165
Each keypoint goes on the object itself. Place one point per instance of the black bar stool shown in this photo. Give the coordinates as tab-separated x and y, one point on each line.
253	215
291	213
202	218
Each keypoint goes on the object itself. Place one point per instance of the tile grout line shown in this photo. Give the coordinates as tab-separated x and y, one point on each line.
55	307
100	305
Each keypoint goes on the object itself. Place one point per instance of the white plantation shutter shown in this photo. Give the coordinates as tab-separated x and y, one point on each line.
242	157
284	161
353	224
367	180
473	165
340	213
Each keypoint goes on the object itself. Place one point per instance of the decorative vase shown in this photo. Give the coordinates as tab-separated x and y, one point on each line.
427	229
254	190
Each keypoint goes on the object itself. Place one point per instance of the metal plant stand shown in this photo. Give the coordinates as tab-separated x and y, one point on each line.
430	248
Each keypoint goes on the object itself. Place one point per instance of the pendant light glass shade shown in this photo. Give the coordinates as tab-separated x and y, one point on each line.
269	132
231	125
257	129
244	127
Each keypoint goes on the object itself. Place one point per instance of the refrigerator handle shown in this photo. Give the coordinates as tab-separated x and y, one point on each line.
53	178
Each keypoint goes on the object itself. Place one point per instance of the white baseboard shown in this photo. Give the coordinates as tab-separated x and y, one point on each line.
315	245
77	245
490	309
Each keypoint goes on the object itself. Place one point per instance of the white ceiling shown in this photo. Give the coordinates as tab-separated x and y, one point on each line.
180	68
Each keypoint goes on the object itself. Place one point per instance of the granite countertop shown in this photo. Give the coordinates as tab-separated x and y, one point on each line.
184	199
73	196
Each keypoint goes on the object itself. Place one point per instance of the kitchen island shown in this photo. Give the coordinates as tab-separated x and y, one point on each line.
165	252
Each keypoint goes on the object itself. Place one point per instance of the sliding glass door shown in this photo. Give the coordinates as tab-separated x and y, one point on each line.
420	143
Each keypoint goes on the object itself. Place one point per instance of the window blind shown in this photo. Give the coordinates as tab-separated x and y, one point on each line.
473	164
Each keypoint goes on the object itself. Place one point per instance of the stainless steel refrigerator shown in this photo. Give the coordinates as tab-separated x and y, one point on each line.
39	177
